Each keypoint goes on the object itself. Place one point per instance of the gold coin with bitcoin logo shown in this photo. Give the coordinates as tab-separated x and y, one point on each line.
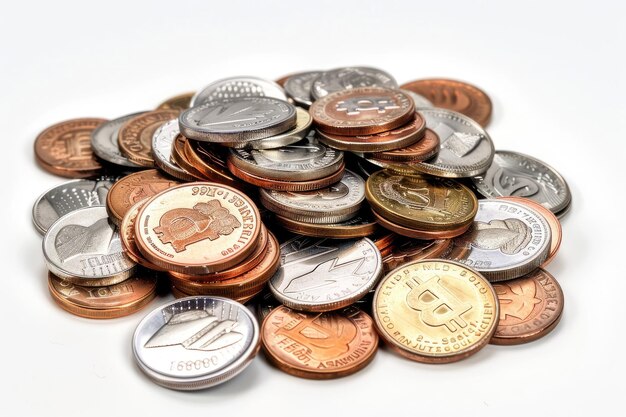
435	311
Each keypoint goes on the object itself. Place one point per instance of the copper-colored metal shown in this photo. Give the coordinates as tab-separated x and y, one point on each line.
346	230
384	239
135	136
281	81
127	237
179	157
133	188
65	148
209	160
362	111
407	250
530	307
454	95
421	234
319	345
425	148
180	102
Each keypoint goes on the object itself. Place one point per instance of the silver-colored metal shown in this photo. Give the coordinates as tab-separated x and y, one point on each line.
105	145
506	240
84	247
162	143
350	77
323	274
196	342
238	120
67	197
516	174
420	101
238	87
298	87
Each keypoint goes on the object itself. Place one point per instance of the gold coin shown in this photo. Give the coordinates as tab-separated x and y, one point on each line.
180	102
435	311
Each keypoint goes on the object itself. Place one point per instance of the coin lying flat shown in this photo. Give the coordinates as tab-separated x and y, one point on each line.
361	225
196	342
348	78
135	136
238	87
298	87
420	101
180	102
422	150
408	250
104	141
162	144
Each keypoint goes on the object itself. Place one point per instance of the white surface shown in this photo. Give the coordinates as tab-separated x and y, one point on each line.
555	72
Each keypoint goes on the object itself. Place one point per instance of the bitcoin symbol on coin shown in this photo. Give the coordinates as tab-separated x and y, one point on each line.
356	105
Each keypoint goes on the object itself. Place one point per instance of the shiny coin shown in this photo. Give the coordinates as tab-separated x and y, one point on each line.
298	87
207	160
104	141
422	150
127	236
162	144
405	250
348	78
180	158
420	101
180	102
435	311
420	233
196	342
135	136
324	275
361	225
238	87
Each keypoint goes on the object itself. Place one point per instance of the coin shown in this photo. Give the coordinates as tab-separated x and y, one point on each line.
435	311
422	150
83	247
361	225
104	141
179	157
319	346
65	148
209	160
127	236
180	102
408	250
454	95
530	308
420	101
135	136
238	87
420	233
196	342
162	144
298	87
516	174
348	78
362	111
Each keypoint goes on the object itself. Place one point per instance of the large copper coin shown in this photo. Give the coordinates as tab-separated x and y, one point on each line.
127	236
435	311
362	111
408	250
319	346
424	149
530	307
135	136
198	228
362	225
420	233
454	95
180	102
65	148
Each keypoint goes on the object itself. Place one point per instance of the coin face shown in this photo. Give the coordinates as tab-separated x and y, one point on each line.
198	228
299	131
180	102
319	346
530	308
135	136
238	87
435	311
162	144
422	150
104	141
298	87
196	342
350	77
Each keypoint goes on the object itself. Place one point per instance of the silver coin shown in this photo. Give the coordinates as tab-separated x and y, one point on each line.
84	247
105	145
67	197
420	101
196	342
238	87
506	240
323	275
162	143
305	160
238	120
350	77
516	174
298	87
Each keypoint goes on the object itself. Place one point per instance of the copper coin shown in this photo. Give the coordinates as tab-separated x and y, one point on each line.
407	250
134	188
210	161
530	307
135	136
179	102
362	111
424	149
127	237
179	157
65	148
198	228
362	225
454	95
384	239
319	345
420	234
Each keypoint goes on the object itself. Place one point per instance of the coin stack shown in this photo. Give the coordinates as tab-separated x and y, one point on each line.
366	230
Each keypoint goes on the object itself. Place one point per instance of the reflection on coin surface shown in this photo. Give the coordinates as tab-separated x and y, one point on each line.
135	136
298	87
238	87
350	77
162	144
104	141
423	149
435	311
196	342
299	131
420	101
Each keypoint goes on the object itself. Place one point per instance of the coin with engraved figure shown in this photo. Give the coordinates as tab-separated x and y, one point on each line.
135	136
162	145
435	311
104	141
349	78
238	87
298	87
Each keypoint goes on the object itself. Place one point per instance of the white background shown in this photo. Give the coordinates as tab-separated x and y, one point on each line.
555	72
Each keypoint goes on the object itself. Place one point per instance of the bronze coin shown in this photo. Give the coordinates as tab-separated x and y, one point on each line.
319	345
210	161
530	307
65	148
420	234
180	102
127	237
406	250
454	95
362	111
362	225
384	239
135	136
425	148
179	157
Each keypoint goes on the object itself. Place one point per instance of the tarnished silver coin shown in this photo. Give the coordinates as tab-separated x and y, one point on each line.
307	159
105	145
84	247
351	77
420	101
298	87
506	240
516	174
68	197
162	143
196	342
238	120
238	87
323	274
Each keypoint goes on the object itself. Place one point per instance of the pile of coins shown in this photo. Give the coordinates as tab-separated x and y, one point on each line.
339	206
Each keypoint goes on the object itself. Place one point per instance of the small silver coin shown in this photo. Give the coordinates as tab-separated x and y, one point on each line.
238	87
298	87
516	174
238	120
420	101
323	275
350	77
196	342
506	240
68	197
162	143
105	145
84	247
